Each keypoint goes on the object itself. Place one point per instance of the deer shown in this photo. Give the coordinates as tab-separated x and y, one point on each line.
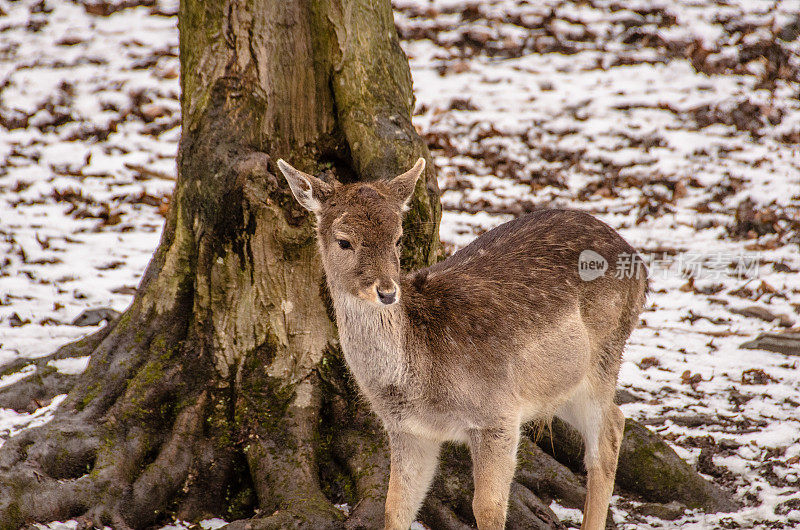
504	331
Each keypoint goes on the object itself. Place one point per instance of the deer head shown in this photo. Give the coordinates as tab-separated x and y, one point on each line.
359	230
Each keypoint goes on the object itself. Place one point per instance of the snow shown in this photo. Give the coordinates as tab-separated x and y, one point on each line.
72	366
571	516
602	109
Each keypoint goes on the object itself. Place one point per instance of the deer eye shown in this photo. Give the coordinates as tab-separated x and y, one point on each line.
344	244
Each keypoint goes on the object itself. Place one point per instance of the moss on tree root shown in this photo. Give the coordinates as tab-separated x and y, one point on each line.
647	467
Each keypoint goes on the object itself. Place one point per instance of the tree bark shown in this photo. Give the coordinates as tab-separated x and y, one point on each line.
221	390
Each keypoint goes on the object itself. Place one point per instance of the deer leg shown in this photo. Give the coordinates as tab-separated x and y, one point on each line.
600	423
602	453
494	459
413	464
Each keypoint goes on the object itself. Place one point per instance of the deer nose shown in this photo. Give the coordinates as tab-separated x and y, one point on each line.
387	297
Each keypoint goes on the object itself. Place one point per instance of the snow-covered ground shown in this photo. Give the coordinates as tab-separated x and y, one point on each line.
677	122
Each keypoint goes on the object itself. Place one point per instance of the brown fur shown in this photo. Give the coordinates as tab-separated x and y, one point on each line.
502	332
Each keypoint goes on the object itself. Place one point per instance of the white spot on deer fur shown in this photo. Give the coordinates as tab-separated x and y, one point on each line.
287	306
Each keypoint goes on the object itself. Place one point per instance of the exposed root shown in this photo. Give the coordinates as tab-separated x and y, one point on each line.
92	460
437	515
282	478
546	477
647	466
288	520
217	484
65	469
527	511
549	479
280	451
45	382
453	483
367	455
80	348
36	390
40	472
156	486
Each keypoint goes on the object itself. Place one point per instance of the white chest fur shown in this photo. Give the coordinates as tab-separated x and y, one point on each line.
373	342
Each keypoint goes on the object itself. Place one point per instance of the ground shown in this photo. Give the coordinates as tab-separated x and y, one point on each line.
678	123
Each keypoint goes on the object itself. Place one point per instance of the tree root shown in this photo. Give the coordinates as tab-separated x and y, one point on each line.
46	382
39	475
437	515
79	348
117	447
365	450
36	390
156	486
647	467
546	477
288	520
65	469
527	512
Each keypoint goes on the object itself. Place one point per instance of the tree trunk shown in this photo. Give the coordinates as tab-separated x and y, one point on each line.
221	390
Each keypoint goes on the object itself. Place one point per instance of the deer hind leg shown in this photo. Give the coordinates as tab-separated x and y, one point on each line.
601	467
601	425
494	460
413	464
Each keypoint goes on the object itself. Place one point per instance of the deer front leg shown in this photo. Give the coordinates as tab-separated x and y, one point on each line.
494	459
413	464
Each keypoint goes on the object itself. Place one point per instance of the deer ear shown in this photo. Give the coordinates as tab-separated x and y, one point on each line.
403	185
309	191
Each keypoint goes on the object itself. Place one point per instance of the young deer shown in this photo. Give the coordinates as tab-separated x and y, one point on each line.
502	332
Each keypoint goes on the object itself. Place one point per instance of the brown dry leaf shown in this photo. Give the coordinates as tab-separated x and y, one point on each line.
769	244
757	376
679	191
693	380
766	288
648	362
163	208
